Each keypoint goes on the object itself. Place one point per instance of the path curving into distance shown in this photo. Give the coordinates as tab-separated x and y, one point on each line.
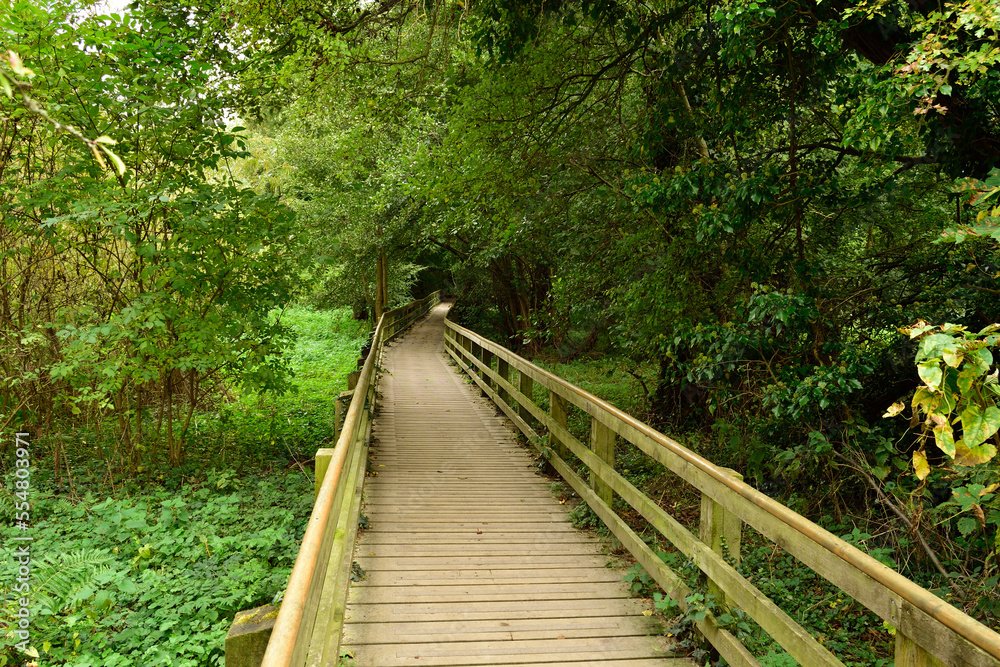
469	559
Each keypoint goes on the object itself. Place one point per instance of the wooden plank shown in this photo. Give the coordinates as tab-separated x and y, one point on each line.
789	634
460	558
492	576
408	631
479	610
508	652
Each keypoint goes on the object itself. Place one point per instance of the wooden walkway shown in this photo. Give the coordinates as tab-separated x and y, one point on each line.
469	559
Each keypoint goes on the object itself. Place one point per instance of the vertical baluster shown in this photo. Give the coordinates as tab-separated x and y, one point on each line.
503	370
721	527
527	387
602	443
558	412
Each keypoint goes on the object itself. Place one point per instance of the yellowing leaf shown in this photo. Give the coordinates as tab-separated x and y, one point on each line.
989	489
931	374
894	409
119	165
98	157
105	139
952	356
920	466
944	438
647	613
973	456
5	85
966	377
926	399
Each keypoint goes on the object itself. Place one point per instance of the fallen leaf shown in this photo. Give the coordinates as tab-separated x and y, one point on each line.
647	613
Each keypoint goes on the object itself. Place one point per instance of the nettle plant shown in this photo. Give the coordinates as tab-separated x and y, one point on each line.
957	408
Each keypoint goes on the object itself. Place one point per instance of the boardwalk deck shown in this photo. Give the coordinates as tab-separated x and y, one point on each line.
469	558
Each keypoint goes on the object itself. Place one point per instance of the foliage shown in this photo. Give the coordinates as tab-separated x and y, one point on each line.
157	579
138	288
153	569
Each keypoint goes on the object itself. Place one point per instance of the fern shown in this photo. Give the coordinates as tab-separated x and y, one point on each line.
59	578
6	505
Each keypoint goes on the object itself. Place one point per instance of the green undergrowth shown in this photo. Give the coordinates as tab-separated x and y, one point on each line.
155	578
148	564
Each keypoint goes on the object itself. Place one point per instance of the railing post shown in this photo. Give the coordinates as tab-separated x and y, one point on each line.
338	414
487	358
323	457
557	410
721	527
527	387
503	370
911	654
602	443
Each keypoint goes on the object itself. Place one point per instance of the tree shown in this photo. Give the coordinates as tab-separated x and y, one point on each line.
126	290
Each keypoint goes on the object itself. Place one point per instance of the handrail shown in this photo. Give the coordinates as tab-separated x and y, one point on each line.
289	645
926	625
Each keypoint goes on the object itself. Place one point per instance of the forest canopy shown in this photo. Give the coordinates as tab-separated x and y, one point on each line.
771	210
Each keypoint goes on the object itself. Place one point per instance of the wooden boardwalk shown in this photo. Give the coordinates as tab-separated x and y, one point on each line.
469	559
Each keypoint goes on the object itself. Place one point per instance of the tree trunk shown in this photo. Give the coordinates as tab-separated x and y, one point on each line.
381	285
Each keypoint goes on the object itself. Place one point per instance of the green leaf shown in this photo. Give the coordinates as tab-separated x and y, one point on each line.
5	85
931	347
979	424
983	357
967	525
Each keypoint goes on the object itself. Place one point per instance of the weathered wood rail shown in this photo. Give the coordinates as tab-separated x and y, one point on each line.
929	631
313	606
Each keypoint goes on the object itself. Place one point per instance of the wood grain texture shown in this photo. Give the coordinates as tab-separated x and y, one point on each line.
469	559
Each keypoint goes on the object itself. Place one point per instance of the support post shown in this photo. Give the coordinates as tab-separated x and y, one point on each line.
323	457
503	370
343	399
911	654
602	443
487	358
527	387
558	412
720	527
381	284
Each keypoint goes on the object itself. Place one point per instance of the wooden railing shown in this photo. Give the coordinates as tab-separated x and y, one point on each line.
315	599
929	631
